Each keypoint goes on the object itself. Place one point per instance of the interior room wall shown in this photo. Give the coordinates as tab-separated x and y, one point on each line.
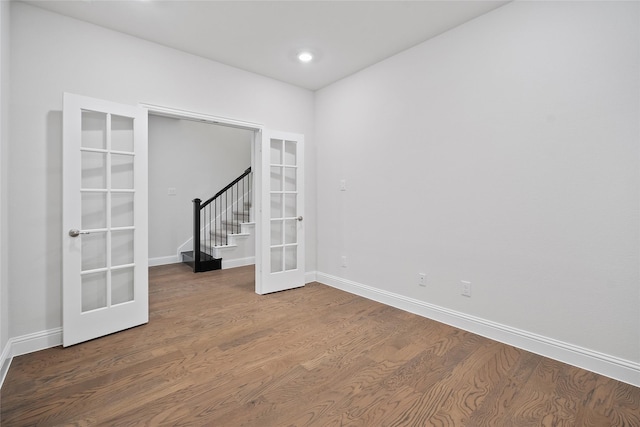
52	54
503	153
4	139
197	160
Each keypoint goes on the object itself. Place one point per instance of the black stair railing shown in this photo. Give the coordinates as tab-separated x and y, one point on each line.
219	216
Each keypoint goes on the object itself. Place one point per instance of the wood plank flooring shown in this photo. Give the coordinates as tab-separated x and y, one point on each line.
216	354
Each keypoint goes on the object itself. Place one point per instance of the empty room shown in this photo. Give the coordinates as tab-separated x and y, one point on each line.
433	218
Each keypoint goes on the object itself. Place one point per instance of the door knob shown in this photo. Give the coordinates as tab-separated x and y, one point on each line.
75	233
299	218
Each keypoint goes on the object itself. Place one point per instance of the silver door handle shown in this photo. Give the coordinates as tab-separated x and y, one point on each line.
75	233
299	218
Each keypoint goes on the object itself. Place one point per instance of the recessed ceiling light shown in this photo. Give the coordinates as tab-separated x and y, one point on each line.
305	57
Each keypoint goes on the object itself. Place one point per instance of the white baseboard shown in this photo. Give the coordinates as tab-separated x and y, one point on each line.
604	364
174	259
36	341
27	344
310	276
240	262
5	362
164	260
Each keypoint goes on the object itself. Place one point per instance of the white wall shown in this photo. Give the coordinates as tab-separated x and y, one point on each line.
505	153
4	140
52	54
198	160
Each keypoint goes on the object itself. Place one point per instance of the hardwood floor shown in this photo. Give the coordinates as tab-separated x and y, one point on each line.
214	353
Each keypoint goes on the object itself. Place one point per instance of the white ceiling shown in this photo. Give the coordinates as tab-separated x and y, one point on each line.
264	36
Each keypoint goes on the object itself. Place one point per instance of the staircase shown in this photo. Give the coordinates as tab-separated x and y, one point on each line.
221	225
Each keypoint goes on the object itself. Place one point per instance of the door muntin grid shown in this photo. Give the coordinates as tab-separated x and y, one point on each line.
107	210
283	193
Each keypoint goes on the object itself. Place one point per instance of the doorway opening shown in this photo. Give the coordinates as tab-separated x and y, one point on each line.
193	159
277	163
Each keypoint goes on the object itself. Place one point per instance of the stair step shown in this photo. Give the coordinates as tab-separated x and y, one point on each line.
230	230
230	235
241	214
207	262
217	251
217	237
223	247
211	248
213	243
207	245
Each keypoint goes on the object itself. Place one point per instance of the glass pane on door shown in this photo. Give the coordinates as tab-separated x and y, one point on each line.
290	206
276	232
122	285
291	231
276	178
290	153
121	133
276	259
121	247
94	291
94	170
290	257
276	151
94	210
276	205
121	209
94	130
94	250
121	171
290	183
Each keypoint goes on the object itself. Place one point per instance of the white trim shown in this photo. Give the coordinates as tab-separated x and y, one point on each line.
159	110
185	247
173	259
310	276
604	364
164	260
239	262
256	128
29	343
35	342
5	362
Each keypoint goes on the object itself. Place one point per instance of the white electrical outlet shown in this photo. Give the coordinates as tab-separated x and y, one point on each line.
422	279
466	288
343	185
343	262
171	191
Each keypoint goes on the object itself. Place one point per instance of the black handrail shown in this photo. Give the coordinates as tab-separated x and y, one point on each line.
218	222
221	192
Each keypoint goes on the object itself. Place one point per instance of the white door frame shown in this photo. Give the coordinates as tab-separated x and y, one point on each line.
256	164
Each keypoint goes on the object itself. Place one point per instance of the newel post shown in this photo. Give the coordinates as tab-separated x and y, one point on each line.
196	235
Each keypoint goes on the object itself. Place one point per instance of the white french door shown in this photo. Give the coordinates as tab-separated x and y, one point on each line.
280	265
105	254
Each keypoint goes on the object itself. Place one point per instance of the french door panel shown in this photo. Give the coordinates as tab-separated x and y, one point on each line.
105	255
281	239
